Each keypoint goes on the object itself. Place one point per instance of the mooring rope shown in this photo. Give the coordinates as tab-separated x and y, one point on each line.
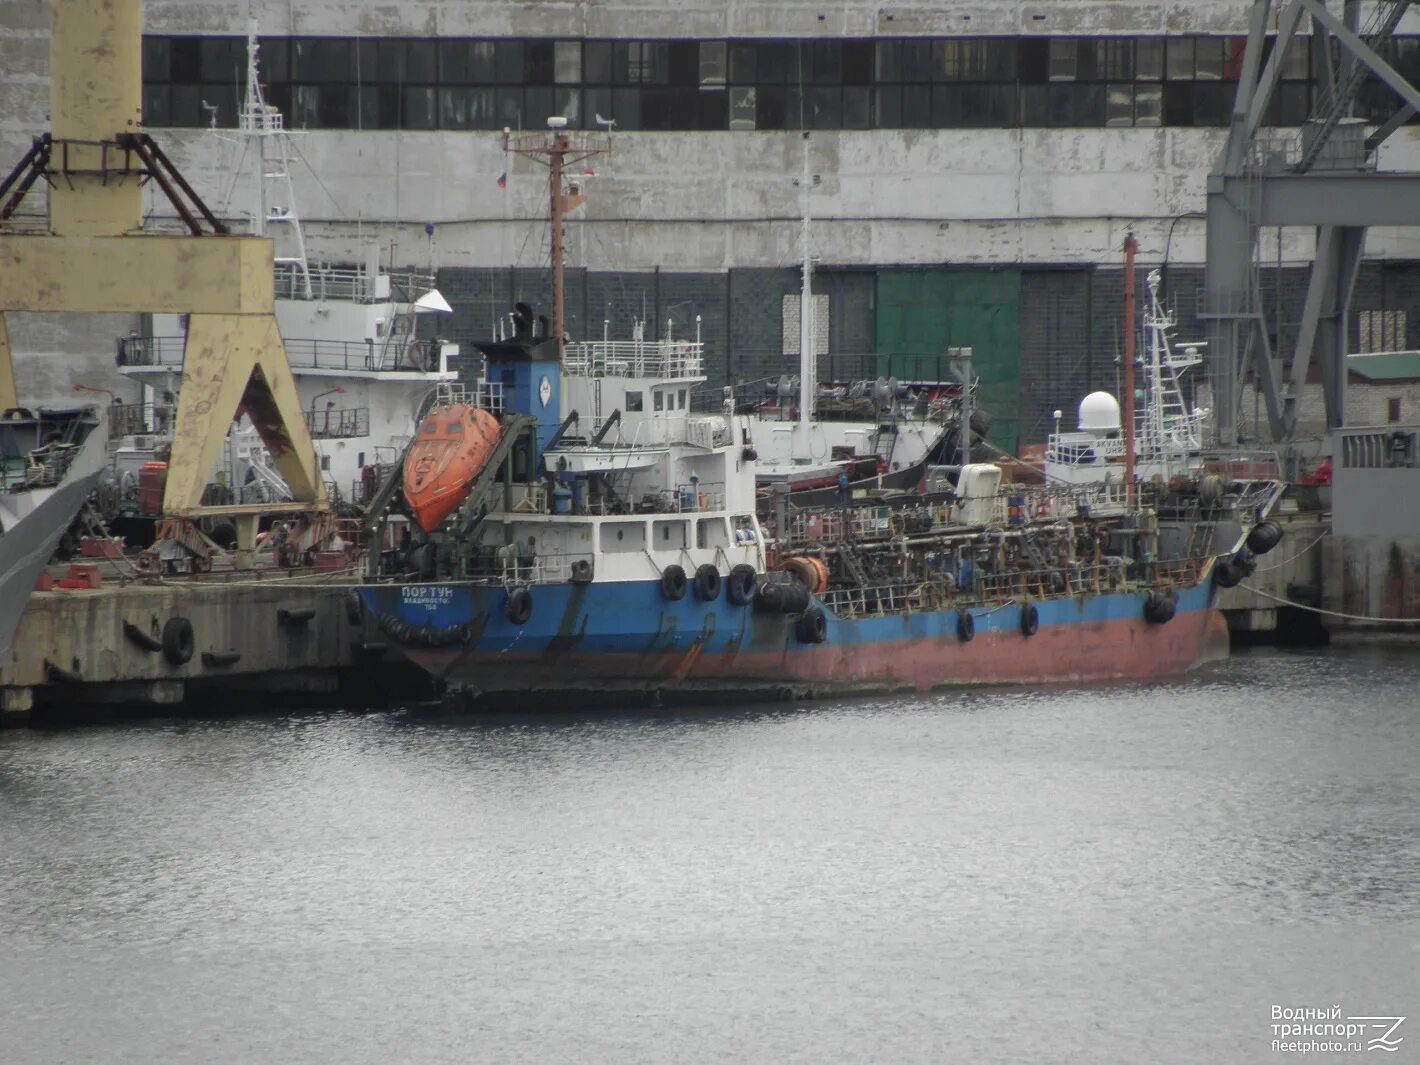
1328	613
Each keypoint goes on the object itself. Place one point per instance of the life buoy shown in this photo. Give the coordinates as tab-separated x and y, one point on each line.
812	626
519	606
966	626
741	583
1030	620
707	582
673	582
178	641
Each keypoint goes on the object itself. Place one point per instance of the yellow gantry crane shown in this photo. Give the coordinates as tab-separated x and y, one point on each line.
95	258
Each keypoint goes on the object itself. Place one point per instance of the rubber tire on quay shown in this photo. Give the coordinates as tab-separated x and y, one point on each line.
1226	574
812	626
966	626
742	583
673	582
179	641
707	583
519	606
1030	620
1159	609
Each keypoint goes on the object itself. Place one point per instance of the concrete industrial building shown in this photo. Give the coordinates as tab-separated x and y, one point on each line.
977	164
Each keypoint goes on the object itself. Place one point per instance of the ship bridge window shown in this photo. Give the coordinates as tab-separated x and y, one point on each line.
633	401
659	399
712	532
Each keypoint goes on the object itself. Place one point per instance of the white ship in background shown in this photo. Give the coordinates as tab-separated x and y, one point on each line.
362	369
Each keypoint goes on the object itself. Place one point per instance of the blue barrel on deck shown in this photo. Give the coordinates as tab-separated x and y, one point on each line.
561	500
1015	510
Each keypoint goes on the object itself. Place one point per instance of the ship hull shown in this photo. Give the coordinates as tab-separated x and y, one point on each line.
621	639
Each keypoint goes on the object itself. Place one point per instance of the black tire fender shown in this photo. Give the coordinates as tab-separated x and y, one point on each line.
742	582
1030	620
519	606
673	582
179	641
812	626
707	583
966	626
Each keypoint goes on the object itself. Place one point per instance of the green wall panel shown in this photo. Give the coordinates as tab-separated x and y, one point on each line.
924	312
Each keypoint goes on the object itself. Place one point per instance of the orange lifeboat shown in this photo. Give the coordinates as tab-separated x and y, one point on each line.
453	445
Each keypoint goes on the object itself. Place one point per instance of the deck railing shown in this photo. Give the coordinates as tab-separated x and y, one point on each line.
406	356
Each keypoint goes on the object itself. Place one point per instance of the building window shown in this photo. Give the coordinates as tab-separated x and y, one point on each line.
1392	410
1381	331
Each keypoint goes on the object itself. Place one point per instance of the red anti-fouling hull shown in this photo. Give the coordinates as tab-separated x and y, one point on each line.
1120	649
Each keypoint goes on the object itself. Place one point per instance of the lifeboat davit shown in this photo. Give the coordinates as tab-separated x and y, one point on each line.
453	445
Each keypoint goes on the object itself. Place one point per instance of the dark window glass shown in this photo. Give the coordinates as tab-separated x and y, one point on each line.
367	60
1064	58
627	108
482	110
596	62
946	106
331	61
1212	104
419	107
1149	59
508	62
683	64
157	105
367	107
1001	55
743	107
857	62
482	62
279	97
823	107
916	107
1178	104
537	63
1148	105
743	57
219	105
712	109
1089	60
222	61
454	109
712	63
889	61
567	102
421	61
1208	58
827	63
537	107
888	101
1076	105
337	107
1035	61
1035	110
658	109
596	101
778	63
1179	52
1115	57
653	64
273	56
391	68
305	107
186	105
509	106
776	107
567	62
1290	104
157	60
453	64
186	60
857	107
917	60
989	105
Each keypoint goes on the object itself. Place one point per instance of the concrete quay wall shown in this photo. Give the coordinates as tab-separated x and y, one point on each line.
73	649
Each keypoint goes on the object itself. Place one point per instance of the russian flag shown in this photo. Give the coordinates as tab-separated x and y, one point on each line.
503	180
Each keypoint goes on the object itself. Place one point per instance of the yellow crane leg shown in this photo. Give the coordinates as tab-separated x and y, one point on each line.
236	364
9	394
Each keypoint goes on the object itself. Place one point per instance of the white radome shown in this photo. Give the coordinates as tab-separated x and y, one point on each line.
1099	413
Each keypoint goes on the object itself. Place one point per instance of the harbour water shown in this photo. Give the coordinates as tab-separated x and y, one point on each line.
1120	873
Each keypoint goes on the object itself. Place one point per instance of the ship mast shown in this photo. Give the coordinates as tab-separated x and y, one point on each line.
558	150
1130	247
808	347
